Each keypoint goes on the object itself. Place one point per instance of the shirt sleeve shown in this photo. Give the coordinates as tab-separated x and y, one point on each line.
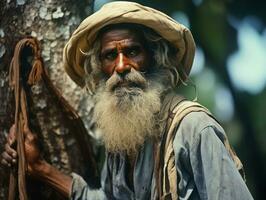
81	191
205	168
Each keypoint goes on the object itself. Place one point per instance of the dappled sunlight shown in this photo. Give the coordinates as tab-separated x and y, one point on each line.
181	17
223	108
247	67
99	3
199	62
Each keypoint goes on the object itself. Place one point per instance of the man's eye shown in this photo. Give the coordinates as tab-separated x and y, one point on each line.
133	52
110	56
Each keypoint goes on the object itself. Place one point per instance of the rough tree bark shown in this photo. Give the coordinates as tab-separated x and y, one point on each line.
51	22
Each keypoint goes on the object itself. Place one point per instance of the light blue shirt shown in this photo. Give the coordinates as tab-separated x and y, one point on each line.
204	166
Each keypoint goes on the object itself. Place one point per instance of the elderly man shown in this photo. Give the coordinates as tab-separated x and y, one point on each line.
158	145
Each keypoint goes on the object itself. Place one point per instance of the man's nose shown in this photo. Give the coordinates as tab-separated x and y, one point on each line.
122	64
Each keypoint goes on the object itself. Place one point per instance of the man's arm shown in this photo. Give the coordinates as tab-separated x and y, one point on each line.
215	173
52	176
205	167
72	187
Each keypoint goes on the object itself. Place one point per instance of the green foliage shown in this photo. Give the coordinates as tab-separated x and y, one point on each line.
214	33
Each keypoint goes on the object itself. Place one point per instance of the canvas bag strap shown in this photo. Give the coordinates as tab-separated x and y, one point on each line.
168	179
171	100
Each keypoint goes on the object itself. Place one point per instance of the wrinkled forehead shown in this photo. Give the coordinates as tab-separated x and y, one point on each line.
120	36
120	31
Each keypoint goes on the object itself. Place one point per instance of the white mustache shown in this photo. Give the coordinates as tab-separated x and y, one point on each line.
132	79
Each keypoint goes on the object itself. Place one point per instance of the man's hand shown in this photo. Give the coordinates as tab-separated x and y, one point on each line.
9	156
37	167
32	153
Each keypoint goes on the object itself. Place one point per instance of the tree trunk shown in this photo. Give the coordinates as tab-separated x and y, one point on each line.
52	23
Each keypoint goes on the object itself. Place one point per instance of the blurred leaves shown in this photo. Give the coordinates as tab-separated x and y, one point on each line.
211	25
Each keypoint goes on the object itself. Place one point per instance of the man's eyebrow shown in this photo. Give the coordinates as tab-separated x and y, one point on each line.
108	50
109	47
113	47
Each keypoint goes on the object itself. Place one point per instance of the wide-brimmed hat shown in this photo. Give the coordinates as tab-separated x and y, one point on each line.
126	12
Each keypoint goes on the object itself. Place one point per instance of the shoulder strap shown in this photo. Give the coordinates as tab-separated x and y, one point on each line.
167	177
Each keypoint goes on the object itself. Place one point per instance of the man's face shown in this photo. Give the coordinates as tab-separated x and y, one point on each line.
122	50
127	101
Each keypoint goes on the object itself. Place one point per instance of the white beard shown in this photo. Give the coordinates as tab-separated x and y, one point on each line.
127	114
